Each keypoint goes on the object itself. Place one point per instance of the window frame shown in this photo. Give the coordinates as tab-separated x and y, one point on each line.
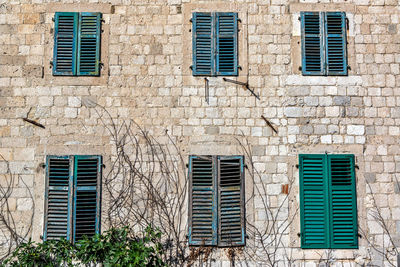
72	193
324	44
215	62
78	35
216	202
327	192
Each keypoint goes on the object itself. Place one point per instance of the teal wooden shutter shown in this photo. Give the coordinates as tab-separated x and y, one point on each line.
203	44
87	172
65	39
58	198
226	44
314	206
202	201
231	201
312	43
89	44
343	204
336	51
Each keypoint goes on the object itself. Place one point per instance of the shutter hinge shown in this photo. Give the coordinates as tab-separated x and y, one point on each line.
102	20
356	166
240	67
347	23
191	67
299	234
238	19
299	18
191	20
187	165
300	68
103	166
51	63
53	19
297	166
348	67
43	165
101	64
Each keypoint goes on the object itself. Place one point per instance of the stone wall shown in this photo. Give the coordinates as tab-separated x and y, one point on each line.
146	52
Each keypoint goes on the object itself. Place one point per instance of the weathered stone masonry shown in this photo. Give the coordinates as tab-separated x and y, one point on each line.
146	52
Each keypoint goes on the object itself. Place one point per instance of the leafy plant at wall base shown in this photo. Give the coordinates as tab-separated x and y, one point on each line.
115	247
50	253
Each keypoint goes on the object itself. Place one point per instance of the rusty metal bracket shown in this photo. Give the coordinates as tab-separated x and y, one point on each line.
34	123
207	90
246	85
269	124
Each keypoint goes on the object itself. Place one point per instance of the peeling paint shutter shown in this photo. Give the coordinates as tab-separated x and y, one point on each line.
335	33
58	194
313	201
203	44
89	44
312	42
226	43
231	201
343	205
65	37
87	196
202	205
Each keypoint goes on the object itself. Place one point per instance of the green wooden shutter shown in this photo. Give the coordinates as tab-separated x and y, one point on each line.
231	201
336	51
343	204
89	44
87	195
202	201
58	198
65	39
203	44
312	43
226	44
314	205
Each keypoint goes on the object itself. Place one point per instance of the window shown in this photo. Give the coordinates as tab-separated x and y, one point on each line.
216	195
215	49
72	198
323	41
77	44
328	206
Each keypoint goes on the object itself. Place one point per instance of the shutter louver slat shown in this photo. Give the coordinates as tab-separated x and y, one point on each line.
335	29
86	213
203	45
202	194
231	223
343	204
313	200
89	44
312	44
58	210
226	44
65	36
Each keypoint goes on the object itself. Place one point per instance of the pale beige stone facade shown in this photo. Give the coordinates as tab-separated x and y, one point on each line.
146	54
